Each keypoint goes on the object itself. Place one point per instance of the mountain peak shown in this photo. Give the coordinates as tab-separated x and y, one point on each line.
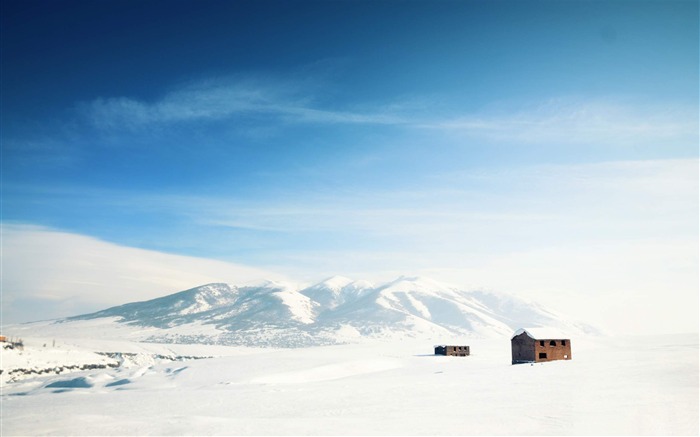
271	284
415	283
336	282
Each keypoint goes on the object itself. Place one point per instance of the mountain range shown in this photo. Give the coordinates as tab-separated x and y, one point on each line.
337	310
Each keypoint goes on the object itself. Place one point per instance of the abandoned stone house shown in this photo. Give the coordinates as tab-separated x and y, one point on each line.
457	351
536	345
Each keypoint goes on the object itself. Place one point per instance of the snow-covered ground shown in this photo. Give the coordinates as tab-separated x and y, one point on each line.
632	385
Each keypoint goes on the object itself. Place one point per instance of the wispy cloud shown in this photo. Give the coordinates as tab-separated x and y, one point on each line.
223	99
563	121
600	199
578	122
650	197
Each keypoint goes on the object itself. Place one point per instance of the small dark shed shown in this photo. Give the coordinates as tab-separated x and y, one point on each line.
536	345
457	351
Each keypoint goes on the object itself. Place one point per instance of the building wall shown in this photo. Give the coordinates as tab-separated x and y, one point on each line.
556	351
522	348
460	351
525	349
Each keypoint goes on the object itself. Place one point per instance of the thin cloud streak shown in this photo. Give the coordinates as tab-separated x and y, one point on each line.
586	122
211	102
559	121
642	196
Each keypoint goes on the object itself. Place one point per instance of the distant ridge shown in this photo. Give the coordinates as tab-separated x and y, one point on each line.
336	310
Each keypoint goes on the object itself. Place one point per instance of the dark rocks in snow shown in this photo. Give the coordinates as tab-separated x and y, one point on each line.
15	374
120	356
20	373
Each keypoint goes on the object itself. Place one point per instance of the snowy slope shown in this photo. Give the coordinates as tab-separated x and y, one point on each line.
336	291
613	386
337	310
420	304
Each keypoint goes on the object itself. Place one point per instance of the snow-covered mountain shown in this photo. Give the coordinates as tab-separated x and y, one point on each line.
337	310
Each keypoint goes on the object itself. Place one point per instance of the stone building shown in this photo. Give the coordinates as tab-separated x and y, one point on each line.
457	351
536	345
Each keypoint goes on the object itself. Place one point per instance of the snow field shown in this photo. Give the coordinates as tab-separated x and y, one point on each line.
640	386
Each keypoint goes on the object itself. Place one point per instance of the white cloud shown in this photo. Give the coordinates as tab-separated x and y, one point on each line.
48	273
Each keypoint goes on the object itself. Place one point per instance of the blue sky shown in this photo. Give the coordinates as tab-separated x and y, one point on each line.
464	140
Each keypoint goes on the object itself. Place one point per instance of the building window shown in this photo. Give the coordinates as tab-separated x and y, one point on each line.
542	343
563	342
543	355
552	343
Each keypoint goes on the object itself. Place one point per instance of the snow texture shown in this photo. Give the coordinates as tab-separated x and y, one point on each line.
626	386
341	358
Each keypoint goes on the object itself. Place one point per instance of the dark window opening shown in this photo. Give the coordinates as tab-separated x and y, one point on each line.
543	355
552	343
542	343
563	342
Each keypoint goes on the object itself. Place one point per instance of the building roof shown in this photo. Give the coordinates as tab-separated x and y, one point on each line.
540	333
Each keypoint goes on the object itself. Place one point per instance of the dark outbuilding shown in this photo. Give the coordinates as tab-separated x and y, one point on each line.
457	351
